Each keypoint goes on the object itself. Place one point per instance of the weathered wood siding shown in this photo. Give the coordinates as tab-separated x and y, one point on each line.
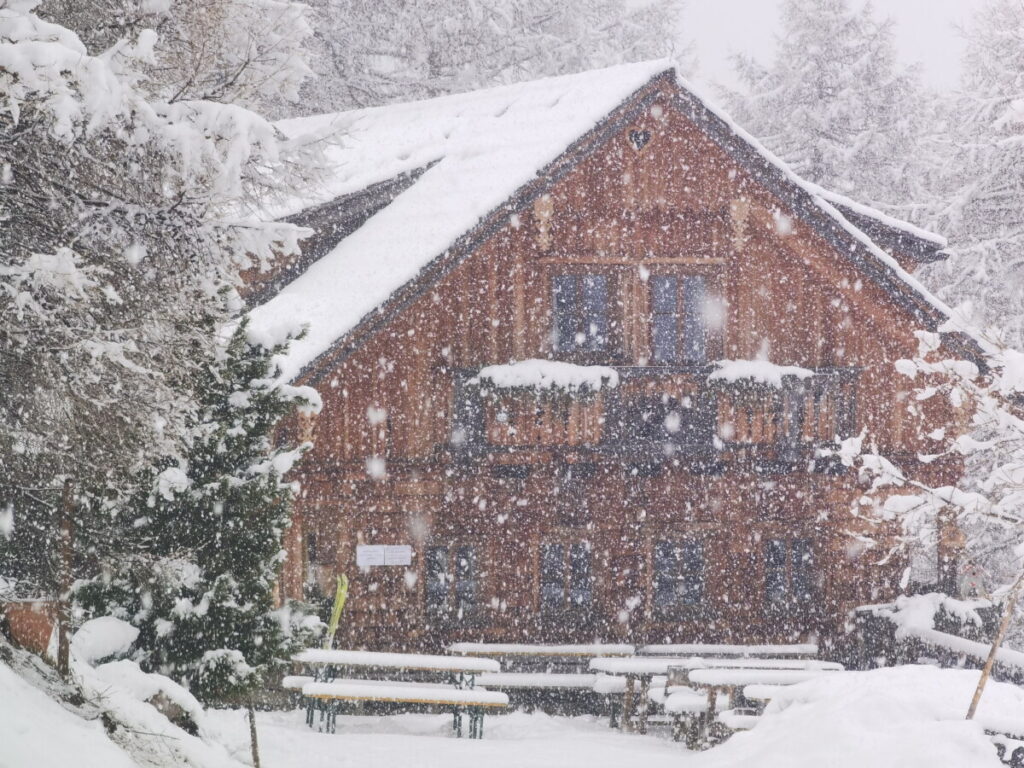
679	206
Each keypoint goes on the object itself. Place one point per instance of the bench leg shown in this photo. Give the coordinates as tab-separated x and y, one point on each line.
613	716
693	731
628	706
645	689
457	723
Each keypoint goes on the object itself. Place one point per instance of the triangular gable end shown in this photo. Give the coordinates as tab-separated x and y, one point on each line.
824	218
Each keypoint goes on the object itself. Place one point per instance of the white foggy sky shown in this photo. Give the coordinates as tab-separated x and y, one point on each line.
925	33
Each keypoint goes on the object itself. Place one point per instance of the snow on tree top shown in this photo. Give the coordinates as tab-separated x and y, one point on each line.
548	374
472	152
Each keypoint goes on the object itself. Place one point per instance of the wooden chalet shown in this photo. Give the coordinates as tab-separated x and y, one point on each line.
586	350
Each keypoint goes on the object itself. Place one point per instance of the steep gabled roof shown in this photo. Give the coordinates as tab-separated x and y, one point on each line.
485	155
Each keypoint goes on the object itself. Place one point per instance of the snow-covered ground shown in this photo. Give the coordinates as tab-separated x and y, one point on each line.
424	741
903	717
37	732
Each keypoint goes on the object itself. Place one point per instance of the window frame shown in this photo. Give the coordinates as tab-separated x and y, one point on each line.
573	317
690	329
682	581
456	582
793	569
567	584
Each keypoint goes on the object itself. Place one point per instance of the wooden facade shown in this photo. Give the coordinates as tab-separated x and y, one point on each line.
671	507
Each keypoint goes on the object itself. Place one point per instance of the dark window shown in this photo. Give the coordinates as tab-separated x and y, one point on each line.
664	318
465	579
775	571
437	577
311	554
566	326
580	586
678	575
451	580
581	312
552	577
695	345
788	571
565	580
803	566
679	332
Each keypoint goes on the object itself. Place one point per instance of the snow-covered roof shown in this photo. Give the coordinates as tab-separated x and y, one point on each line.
478	149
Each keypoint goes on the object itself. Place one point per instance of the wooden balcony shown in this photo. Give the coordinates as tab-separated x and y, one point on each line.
657	414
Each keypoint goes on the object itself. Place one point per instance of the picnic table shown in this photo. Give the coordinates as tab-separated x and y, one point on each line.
639	672
327	692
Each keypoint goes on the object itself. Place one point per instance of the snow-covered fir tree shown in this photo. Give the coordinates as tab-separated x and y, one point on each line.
835	104
401	50
979	187
209	536
129	168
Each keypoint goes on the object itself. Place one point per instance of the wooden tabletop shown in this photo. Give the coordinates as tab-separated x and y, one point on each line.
382	660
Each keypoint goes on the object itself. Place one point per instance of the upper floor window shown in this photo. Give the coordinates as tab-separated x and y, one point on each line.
451	579
565	578
581	312
679	332
678	575
788	570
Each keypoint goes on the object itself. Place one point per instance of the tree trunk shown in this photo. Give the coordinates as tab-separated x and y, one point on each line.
65	542
252	738
1011	602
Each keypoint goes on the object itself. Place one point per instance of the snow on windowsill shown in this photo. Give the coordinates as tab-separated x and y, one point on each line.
761	371
548	374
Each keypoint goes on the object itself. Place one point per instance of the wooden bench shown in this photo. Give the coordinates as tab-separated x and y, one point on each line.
564	659
639	673
509	680
713	650
459	672
473	702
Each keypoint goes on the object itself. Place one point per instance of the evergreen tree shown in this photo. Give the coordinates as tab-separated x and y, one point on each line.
980	185
200	587
834	104
400	50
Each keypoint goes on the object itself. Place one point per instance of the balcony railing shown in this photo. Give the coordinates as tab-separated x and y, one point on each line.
656	414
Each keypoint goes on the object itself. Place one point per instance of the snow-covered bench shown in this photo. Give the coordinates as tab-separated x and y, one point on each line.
472	701
550	658
794	650
639	673
459	673
511	680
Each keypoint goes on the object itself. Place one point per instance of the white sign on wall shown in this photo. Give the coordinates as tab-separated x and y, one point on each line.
369	555
397	554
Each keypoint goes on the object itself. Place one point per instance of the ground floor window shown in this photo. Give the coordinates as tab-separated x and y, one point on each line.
678	575
565	576
451	580
788	572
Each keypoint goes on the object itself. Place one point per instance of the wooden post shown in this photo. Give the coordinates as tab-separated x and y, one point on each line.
252	738
66	545
1011	602
645	689
627	705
